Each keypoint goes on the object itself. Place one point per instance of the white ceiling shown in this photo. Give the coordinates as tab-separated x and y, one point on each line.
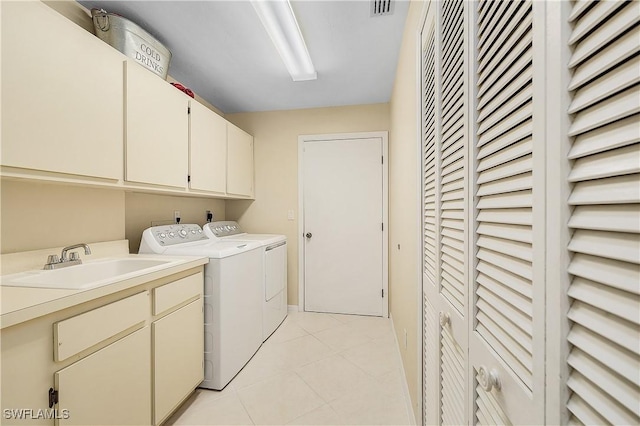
222	52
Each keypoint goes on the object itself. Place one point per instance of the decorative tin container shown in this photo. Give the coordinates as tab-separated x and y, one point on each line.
131	40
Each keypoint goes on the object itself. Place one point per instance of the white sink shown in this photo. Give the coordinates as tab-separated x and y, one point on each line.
87	275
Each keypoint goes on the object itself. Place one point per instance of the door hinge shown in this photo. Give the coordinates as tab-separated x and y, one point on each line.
188	178
53	397
383	293
382	226
383	159
189	110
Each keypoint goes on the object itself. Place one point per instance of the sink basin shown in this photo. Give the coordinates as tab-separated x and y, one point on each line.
88	275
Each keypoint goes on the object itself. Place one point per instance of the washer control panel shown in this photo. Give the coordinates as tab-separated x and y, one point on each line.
224	228
167	235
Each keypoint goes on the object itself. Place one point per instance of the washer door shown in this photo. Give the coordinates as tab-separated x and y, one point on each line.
275	270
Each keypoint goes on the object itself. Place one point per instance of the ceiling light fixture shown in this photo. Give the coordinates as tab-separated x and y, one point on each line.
280	22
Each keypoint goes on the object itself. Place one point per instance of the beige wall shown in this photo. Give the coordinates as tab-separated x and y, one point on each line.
276	166
42	215
145	210
404	214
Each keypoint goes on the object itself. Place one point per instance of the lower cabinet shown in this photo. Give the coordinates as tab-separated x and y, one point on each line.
178	347
110	386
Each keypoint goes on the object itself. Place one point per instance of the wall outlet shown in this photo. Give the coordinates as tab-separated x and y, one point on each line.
208	216
405	337
176	216
290	215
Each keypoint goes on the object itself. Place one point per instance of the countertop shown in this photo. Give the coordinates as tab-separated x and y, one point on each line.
20	304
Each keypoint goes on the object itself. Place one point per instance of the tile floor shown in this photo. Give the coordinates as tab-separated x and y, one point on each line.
316	369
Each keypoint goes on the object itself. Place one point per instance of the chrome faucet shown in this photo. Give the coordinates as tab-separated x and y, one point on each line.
55	262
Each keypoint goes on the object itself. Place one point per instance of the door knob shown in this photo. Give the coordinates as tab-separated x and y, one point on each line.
445	319
488	379
308	235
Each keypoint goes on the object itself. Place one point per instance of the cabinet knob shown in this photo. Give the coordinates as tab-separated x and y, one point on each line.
445	319
488	379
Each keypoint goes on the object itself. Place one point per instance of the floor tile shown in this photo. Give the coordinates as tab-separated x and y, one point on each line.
279	400
376	357
297	352
371	408
334	377
372	327
267	362
288	330
227	410
324	415
342	337
314	322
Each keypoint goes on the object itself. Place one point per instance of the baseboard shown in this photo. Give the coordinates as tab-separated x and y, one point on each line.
292	308
405	386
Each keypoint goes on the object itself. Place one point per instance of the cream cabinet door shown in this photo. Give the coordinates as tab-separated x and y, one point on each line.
62	95
178	357
157	130
207	150
239	162
110	386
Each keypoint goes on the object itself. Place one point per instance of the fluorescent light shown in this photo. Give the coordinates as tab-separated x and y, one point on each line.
280	22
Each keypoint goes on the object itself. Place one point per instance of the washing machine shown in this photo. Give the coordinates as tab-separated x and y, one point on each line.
233	286
274	297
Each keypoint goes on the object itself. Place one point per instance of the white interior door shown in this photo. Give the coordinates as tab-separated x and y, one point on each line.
343	226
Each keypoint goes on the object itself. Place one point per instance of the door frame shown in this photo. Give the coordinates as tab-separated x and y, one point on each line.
384	136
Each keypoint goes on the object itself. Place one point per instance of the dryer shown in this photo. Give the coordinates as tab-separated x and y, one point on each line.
233	285
274	297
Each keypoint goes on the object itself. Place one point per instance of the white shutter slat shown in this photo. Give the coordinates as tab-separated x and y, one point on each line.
505	11
616	246
518	216
621	333
511	103
600	401
497	90
621	161
452	387
430	357
511	150
493	303
512	29
604	317
615	108
516	292
515	249
515	183
618	24
620	50
456	133
503	330
456	175
613	301
579	7
619	79
508	325
510	264
613	190
505	201
509	168
620	275
516	118
493	337
614	135
515	232
620	218
620	390
429	124
592	19
619	360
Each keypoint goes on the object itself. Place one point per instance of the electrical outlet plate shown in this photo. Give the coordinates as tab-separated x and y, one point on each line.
176	215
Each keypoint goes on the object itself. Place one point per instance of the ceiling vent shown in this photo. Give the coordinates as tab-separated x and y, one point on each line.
381	7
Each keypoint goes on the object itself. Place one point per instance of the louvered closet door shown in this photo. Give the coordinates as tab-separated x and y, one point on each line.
445	145
605	291
506	344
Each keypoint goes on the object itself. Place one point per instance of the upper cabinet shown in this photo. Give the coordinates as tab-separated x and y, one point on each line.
208	150
156	129
62	100
239	162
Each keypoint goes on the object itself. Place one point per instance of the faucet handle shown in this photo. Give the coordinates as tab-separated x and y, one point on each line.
53	258
74	255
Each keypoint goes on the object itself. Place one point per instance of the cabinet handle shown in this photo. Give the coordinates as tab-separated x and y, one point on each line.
445	319
488	379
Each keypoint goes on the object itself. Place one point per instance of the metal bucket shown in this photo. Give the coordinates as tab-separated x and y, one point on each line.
131	40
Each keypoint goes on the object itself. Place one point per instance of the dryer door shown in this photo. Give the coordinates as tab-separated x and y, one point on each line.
275	270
